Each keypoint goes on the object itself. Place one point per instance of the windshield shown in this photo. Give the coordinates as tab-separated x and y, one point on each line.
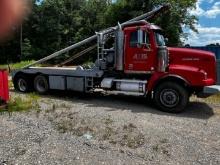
160	39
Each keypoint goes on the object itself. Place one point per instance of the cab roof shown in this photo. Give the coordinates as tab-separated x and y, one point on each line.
155	27
144	23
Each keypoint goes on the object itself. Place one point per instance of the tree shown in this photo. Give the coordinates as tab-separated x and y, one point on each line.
55	24
213	45
178	17
171	22
26	50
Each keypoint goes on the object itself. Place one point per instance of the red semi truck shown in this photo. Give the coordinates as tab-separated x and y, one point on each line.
4	91
139	63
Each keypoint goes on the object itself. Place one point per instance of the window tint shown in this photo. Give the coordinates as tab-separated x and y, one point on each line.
160	39
134	40
146	38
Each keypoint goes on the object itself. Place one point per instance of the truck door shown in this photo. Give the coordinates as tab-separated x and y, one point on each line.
138	51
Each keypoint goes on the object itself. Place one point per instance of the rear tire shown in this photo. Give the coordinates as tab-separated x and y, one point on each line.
41	84
22	83
171	97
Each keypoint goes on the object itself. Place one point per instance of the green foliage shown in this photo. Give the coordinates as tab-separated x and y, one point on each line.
23	104
17	104
26	49
55	24
17	65
176	17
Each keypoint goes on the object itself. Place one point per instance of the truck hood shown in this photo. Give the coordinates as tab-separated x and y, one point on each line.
186	54
191	58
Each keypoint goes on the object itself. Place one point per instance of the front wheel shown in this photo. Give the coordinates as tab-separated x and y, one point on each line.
171	97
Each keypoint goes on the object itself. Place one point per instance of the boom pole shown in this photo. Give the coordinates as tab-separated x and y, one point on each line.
63	51
145	16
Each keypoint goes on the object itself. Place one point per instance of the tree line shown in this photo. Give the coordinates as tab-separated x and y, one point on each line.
55	24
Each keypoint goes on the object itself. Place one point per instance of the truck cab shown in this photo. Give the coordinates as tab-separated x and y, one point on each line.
172	75
141	45
145	52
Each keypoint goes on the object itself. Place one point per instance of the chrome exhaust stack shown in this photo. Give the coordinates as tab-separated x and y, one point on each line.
163	59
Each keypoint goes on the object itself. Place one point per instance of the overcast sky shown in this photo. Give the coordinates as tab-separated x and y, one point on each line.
208	12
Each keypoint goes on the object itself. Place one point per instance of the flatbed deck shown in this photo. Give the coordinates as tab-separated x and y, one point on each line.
63	71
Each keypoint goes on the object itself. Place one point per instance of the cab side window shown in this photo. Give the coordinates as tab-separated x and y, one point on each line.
138	37
134	39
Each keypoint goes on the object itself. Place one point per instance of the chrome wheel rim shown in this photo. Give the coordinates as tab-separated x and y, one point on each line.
169	98
22	85
41	85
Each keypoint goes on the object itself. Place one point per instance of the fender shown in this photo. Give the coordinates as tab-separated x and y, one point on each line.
154	79
158	77
195	76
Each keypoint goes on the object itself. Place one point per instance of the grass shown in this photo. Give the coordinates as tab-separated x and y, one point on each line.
162	147
127	135
17	104
67	125
33	96
21	104
10	84
215	99
18	65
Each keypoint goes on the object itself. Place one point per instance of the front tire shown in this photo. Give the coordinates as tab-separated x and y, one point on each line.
41	84
171	97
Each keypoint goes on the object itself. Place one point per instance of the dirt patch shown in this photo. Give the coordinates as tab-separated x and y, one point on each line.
109	130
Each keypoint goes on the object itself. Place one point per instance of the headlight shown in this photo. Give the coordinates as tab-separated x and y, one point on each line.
204	73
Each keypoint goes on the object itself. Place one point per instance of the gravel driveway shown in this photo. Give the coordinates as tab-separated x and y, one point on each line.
109	130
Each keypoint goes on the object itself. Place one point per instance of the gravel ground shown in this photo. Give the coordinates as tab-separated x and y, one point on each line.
109	130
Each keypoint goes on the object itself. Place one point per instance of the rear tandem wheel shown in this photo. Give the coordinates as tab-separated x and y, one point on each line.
41	84
22	83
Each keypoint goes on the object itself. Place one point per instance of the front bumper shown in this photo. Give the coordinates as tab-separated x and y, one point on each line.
209	91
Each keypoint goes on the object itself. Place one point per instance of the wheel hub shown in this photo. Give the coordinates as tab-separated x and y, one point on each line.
22	85
41	86
169	98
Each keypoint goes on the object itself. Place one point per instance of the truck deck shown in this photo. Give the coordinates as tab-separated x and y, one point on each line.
64	71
